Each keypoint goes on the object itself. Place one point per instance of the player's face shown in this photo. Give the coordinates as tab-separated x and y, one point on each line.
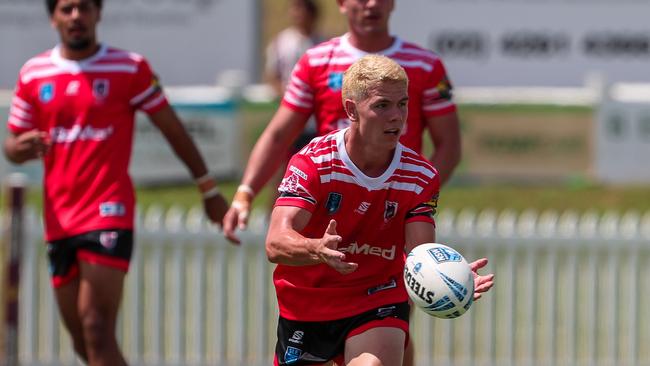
382	115
76	20
299	15
367	17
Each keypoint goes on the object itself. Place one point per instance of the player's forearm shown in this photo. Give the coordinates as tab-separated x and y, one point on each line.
445	159
417	233
265	159
183	145
11	153
187	152
290	248
14	153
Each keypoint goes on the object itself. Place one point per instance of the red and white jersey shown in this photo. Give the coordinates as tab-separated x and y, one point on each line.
88	109
315	85
371	213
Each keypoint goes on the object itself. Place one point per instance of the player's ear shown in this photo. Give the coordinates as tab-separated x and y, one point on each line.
351	110
341	5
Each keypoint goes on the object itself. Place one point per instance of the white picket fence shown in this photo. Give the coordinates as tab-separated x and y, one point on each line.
570	290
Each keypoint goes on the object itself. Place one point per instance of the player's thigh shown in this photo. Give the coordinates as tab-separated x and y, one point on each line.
103	257
64	272
100	289
376	346
67	298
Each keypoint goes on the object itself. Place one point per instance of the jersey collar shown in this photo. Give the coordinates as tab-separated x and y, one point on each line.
349	48
75	66
372	183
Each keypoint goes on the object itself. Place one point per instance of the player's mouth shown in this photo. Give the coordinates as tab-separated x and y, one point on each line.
392	131
372	17
77	31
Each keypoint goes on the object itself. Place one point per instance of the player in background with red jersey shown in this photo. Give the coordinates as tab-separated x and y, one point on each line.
315	88
74	108
351	204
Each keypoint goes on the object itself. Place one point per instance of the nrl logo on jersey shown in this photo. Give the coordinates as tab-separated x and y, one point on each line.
335	81
390	211
46	92
333	202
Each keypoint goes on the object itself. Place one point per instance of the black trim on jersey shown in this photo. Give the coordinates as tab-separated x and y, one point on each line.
295	195
157	89
429	213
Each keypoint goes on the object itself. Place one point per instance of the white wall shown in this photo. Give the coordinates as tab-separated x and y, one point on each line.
187	41
531	42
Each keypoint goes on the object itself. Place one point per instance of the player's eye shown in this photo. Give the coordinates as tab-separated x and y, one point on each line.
67	9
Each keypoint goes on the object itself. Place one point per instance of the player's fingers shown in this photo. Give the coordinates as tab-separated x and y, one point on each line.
331	255
478	264
346	267
483	283
44	136
332	241
331	227
242	219
243	209
232	238
229	225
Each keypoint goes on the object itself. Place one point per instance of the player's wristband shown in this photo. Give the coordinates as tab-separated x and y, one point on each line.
207	177
207	186
245	188
213	192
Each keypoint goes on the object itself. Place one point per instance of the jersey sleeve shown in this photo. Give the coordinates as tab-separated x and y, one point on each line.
426	203
300	185
299	94
22	113
146	93
437	94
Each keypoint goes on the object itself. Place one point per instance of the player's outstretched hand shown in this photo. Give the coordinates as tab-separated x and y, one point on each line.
215	208
327	253
481	283
236	217
30	145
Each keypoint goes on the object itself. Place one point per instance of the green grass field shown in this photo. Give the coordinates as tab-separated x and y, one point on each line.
577	194
454	197
457	197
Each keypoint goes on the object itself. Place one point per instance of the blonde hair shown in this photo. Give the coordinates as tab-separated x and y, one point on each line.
369	71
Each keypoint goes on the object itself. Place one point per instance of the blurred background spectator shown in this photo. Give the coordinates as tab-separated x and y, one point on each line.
289	44
282	54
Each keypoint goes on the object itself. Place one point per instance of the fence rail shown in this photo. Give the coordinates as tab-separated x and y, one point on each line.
569	291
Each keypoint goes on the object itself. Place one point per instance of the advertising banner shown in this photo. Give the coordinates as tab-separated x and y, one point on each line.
531	43
188	42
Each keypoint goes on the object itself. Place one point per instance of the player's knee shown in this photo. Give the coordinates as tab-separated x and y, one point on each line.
96	328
